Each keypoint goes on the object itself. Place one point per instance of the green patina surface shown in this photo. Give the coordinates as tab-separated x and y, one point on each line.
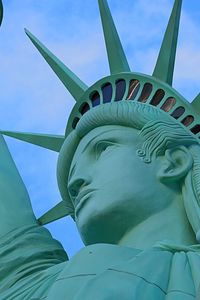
128	173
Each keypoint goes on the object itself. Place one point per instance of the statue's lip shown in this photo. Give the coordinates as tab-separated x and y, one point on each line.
81	198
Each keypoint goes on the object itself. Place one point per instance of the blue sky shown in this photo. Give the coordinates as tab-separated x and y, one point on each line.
33	99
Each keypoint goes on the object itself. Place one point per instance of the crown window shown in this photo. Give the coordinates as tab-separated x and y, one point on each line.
178	112
169	103
146	91
196	129
133	89
107	92
159	95
95	99
84	108
120	89
187	120
75	122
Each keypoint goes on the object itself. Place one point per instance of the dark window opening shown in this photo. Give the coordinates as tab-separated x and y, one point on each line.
107	92
188	120
169	103
196	129
75	122
179	111
146	91
133	89
84	108
95	99
120	89
159	95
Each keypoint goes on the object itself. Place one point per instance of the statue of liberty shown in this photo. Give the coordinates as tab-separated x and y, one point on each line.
129	175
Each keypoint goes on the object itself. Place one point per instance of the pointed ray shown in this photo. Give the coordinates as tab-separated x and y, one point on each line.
57	212
15	207
74	85
164	68
196	103
116	56
52	142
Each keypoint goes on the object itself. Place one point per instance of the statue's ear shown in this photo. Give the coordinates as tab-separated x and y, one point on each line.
175	164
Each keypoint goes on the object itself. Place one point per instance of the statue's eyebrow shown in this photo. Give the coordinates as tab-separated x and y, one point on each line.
96	137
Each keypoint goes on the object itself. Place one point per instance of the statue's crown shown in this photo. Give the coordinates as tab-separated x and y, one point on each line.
124	85
121	85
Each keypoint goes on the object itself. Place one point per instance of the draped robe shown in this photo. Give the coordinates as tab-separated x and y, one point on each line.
35	267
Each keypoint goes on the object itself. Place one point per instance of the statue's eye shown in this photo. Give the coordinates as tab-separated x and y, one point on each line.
102	147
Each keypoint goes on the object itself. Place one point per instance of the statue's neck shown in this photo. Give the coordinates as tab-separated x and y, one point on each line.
169	224
15	207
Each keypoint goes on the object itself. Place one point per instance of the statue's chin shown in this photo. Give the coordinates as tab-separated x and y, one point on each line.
91	231
99	228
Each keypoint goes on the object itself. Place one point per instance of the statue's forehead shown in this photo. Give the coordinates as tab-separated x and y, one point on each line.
114	133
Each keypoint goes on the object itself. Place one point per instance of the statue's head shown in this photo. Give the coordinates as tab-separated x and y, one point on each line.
131	144
128	162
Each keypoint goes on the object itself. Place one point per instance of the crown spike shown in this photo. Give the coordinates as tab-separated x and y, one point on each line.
51	142
196	103
59	211
164	68
74	85
116	56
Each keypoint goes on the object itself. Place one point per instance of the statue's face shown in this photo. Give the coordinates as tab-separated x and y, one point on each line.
111	188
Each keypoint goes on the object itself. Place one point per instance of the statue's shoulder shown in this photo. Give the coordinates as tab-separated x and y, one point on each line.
96	258
86	265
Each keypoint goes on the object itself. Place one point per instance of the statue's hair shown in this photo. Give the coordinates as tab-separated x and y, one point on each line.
125	113
158	132
196	171
161	135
